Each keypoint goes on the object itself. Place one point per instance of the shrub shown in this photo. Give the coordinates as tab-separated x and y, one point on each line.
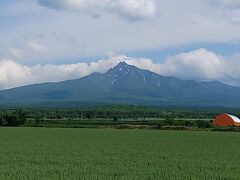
203	124
115	118
14	120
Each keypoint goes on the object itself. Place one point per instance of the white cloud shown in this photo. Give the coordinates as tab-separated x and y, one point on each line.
230	9
13	74
131	9
70	35
33	35
37	47
13	52
200	65
29	49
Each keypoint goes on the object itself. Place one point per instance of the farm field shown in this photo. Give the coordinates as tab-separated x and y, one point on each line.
52	153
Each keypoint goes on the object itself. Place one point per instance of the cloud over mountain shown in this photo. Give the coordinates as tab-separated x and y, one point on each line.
130	9
200	65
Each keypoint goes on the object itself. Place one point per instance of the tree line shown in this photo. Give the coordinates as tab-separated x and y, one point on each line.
17	117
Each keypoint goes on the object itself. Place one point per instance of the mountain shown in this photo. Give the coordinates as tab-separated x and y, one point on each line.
125	84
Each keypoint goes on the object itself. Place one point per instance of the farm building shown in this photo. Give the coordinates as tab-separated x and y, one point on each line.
226	120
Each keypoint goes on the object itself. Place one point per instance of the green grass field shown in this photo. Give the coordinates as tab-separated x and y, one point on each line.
45	153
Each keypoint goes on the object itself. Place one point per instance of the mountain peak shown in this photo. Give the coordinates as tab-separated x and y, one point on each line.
119	67
122	64
121	70
125	84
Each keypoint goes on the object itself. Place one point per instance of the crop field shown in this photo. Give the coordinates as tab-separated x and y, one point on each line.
51	153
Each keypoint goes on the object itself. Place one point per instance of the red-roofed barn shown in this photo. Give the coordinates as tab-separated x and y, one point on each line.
226	120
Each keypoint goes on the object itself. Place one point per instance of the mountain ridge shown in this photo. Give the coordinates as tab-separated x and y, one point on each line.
126	84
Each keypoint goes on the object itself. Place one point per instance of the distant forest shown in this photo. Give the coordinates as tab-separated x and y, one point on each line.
108	115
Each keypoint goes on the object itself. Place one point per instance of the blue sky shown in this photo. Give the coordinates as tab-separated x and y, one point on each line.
165	36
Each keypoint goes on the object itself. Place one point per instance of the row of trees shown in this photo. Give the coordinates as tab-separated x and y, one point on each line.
187	123
121	112
15	118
